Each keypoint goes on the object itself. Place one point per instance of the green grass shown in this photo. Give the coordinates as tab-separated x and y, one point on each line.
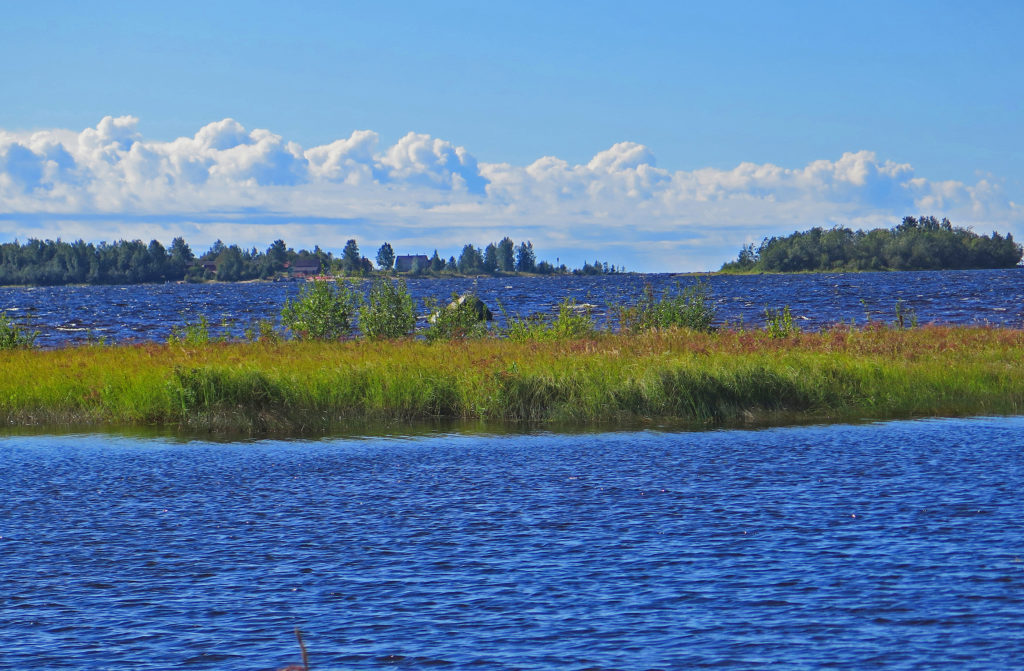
656	377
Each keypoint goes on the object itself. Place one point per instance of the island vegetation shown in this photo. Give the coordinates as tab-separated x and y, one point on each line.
56	262
924	243
337	364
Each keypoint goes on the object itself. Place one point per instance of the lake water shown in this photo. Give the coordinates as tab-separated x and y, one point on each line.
893	545
149	312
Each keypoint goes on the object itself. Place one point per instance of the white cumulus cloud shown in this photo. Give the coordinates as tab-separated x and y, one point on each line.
424	191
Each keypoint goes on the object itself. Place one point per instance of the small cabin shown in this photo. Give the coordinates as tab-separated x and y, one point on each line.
305	267
406	263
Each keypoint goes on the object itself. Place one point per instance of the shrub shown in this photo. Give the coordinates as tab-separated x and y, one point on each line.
572	321
262	330
191	334
95	339
14	336
686	308
779	323
521	329
905	317
460	319
321	311
389	312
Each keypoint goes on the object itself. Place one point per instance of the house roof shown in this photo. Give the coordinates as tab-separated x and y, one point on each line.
404	262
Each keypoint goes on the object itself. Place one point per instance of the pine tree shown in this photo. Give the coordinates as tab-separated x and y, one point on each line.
351	261
526	260
506	255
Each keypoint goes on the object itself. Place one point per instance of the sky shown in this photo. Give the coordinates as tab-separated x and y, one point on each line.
662	136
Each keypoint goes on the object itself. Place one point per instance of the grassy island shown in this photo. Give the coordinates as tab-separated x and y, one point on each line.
659	376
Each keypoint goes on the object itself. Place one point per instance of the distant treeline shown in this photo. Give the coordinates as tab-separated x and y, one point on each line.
497	257
48	262
924	243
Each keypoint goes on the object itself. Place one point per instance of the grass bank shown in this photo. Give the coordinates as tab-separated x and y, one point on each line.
661	376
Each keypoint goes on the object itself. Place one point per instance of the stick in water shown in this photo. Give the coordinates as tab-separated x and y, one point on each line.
305	657
302	647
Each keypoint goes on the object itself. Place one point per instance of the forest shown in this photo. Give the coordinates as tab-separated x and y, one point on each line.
924	243
49	262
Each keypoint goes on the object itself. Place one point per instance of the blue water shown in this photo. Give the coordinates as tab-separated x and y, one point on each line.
149	312
894	545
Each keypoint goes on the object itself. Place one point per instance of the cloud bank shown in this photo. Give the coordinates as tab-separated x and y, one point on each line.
252	186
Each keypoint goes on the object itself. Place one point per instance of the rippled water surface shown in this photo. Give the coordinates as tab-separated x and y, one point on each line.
148	312
895	545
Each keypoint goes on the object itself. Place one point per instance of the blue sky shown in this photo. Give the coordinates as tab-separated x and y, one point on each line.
659	135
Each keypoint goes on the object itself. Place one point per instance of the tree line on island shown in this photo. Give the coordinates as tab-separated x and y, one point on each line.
48	262
924	243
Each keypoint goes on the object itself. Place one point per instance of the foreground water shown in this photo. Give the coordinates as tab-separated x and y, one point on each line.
893	545
148	312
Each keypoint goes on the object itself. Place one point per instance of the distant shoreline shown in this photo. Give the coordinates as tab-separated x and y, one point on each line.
349	278
404	276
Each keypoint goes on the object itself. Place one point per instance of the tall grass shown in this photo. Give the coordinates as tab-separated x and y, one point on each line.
664	375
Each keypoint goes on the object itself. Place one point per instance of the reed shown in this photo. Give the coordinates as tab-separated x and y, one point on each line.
658	376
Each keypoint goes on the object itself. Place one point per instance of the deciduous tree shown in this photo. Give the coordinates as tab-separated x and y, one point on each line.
385	257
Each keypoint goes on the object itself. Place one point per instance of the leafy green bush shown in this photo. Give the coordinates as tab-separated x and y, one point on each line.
322	311
262	330
521	329
573	321
191	334
14	336
686	308
779	323
463	318
389	312
95	339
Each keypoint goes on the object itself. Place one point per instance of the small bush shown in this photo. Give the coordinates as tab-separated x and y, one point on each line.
521	329
95	339
779	323
573	321
191	335
460	319
905	318
389	312
686	308
14	336
262	330
322	311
